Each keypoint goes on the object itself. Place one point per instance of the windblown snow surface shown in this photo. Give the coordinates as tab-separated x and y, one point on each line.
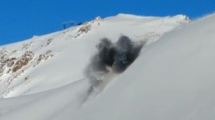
45	78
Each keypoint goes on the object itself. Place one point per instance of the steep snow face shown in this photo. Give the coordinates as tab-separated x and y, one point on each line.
172	79
51	61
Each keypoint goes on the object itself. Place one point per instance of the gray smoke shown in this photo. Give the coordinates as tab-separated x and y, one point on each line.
126	51
114	57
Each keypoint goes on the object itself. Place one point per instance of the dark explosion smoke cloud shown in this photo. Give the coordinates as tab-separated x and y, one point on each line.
112	57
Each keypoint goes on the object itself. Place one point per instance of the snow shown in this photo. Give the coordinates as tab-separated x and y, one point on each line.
53	101
172	78
69	51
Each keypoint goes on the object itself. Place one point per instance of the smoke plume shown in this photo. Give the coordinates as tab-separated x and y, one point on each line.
112	58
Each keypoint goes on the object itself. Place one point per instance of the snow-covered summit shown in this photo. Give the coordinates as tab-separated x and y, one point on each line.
173	77
51	61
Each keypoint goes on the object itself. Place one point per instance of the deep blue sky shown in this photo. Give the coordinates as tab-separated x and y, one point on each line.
21	19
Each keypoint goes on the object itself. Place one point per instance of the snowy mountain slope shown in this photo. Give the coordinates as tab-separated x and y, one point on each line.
51	61
52	83
172	79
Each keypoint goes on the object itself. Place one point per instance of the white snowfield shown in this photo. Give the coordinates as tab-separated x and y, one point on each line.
172	79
